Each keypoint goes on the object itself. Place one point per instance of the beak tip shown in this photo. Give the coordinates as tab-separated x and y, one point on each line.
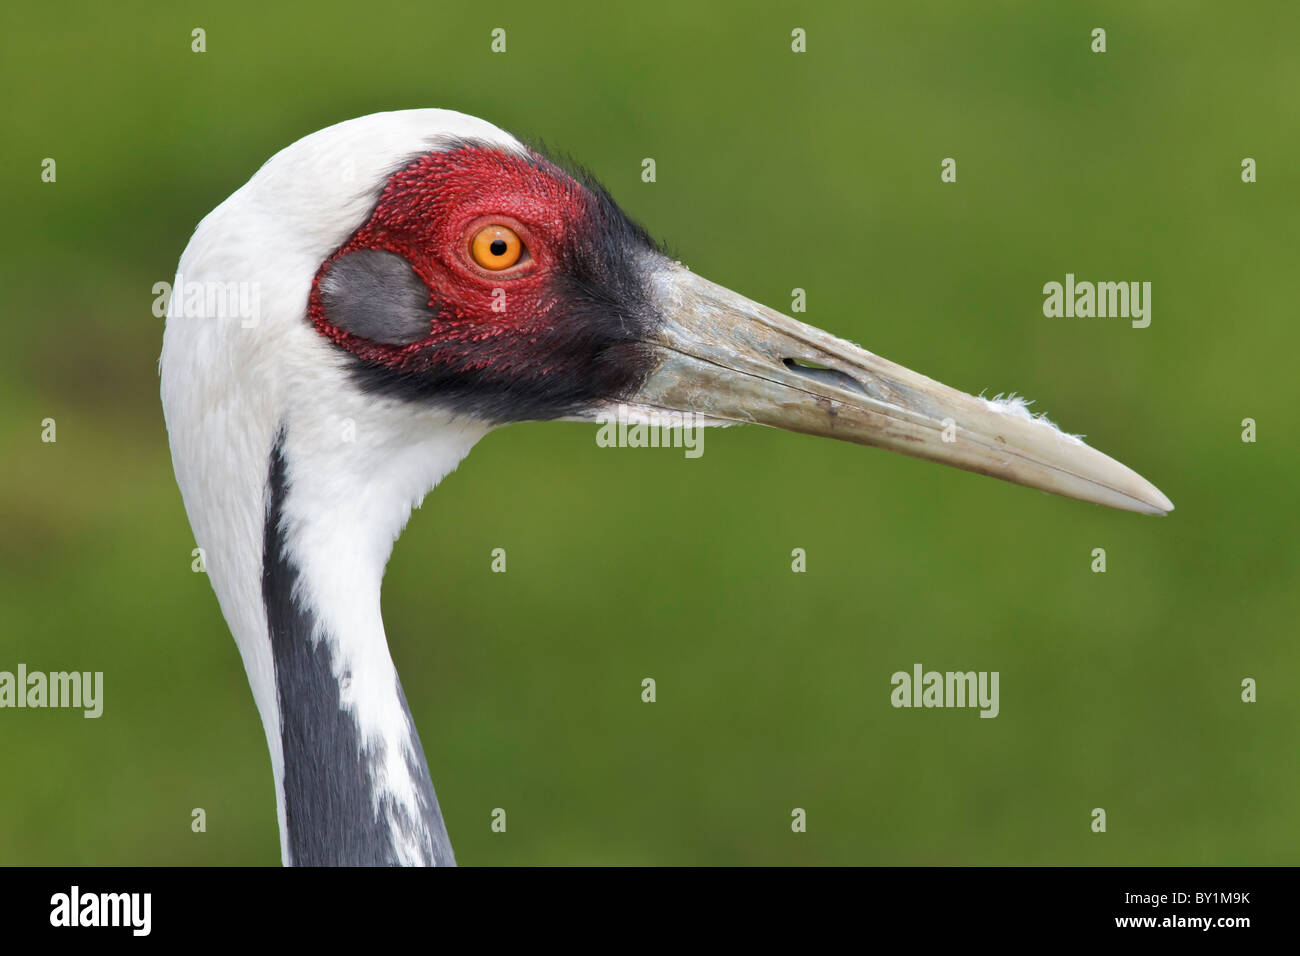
1156	501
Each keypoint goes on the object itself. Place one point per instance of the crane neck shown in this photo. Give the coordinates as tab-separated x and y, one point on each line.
354	785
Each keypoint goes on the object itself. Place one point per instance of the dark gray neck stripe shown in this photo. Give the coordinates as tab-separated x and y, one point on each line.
329	788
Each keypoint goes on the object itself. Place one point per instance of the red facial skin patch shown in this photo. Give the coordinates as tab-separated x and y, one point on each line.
561	331
428	214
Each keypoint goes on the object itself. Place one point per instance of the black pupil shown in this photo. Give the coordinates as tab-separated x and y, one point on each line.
498	247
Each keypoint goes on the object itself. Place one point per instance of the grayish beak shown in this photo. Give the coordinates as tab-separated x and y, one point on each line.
729	359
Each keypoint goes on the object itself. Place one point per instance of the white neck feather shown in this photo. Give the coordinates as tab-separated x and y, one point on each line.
355	464
346	504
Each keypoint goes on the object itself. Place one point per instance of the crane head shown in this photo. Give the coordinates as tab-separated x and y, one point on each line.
490	281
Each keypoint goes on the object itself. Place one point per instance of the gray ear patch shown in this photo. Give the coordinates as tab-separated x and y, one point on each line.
378	296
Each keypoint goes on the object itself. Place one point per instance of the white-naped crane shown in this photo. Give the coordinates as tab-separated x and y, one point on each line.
421	278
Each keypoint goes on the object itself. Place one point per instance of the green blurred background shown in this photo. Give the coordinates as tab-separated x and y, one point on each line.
775	170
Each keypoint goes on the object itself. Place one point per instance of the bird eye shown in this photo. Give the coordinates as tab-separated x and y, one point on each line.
496	247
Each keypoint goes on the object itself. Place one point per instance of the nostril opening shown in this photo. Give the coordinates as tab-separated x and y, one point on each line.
827	376
795	364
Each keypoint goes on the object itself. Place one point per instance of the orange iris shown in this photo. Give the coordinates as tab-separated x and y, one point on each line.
496	247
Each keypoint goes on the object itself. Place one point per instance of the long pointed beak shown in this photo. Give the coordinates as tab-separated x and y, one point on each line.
724	357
